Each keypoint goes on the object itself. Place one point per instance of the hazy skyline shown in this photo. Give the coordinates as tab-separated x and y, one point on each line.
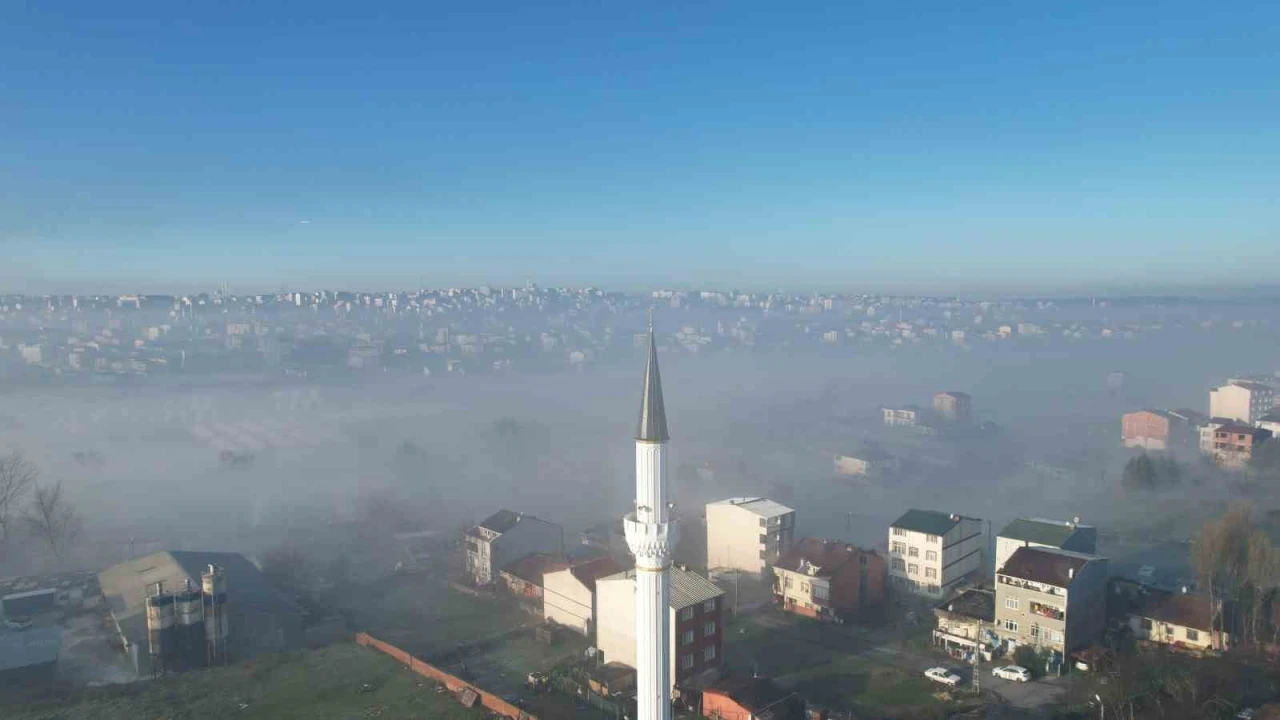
1038	150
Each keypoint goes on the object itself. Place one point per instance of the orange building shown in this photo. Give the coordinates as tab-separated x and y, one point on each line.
749	698
1233	443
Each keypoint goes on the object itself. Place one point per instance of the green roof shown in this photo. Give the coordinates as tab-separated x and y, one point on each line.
930	522
1040	532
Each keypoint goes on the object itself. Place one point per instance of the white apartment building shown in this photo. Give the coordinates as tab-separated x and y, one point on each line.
930	552
905	416
748	533
1241	400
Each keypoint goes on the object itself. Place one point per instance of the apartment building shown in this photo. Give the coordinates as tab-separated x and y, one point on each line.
953	406
903	416
930	552
1050	598
505	536
1179	621
1233	444
829	580
870	463
1149	429
696	624
748	533
1039	532
1241	400
965	622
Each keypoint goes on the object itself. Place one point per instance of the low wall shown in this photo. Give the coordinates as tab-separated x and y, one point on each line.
453	683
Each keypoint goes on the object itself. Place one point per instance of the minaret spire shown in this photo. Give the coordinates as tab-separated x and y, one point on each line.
652	426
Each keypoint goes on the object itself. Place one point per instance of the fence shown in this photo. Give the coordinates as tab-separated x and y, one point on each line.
454	684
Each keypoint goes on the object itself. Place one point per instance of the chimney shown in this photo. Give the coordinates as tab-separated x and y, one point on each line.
1071	573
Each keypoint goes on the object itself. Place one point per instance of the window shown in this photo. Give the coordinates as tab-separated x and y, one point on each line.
820	592
1035	631
764	538
686	638
764	523
898	548
709	606
686	662
932	539
934	590
1011	603
709	629
1057	637
709	653
931	555
686	613
931	573
913	552
899	564
913	569
1010	625
1193	635
899	531
1145	623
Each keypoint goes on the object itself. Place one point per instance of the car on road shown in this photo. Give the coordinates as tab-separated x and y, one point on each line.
1012	672
942	675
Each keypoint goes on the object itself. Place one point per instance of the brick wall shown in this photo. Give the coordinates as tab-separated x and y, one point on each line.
454	684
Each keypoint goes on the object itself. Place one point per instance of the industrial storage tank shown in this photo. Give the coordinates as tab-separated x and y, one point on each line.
160	630
189	635
217	623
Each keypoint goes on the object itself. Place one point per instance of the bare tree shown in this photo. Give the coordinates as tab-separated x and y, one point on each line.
1220	556
51	518
17	475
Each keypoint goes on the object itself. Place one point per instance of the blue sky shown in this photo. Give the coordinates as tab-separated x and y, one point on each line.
946	147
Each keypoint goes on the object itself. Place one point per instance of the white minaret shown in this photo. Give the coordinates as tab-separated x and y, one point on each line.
651	533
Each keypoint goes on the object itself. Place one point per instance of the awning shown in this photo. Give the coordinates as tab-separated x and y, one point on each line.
947	637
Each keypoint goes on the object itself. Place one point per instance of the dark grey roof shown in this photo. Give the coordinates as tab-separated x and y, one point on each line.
974	603
1046	565
34	646
1040	532
930	522
653	417
501	521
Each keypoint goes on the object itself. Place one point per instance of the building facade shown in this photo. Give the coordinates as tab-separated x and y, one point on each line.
905	416
1149	429
524	577
1038	532
1242	401
1179	621
965	622
748	533
930	552
1234	443
829	580
953	406
504	537
569	594
870	463
694	624
1053	599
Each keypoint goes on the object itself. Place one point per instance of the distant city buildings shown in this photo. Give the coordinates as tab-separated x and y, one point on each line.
1243	401
953	406
506	536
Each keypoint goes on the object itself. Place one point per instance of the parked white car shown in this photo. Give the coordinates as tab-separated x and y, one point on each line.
942	675
1012	672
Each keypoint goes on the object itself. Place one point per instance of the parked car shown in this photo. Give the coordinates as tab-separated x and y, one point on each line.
1012	672
942	675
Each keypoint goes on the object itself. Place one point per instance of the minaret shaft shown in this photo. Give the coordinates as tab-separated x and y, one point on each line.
651	533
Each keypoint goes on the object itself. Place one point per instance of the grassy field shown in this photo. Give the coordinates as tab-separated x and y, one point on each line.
341	682
824	665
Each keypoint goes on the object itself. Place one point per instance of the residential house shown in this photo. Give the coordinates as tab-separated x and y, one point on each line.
1051	598
504	537
1270	422
748	533
869	462
829	579
524	577
1241	400
696	625
903	416
1149	429
965	622
1207	429
569	594
953	406
1233	444
1176	620
930	552
1038	532
751	698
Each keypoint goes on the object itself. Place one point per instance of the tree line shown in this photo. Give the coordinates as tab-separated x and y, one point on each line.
1239	570
40	510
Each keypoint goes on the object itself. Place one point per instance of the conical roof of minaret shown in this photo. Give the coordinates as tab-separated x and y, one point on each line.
653	417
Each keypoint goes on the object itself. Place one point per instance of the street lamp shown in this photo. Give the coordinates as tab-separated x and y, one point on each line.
1102	709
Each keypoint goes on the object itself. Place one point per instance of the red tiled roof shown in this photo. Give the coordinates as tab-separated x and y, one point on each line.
588	572
533	566
1182	609
828	555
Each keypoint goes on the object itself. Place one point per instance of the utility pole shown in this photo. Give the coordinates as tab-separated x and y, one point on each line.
977	658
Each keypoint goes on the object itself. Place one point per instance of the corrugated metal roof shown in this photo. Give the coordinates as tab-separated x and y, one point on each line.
29	647
929	522
763	507
687	588
1039	531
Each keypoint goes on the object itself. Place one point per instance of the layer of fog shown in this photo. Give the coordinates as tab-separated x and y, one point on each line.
144	464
